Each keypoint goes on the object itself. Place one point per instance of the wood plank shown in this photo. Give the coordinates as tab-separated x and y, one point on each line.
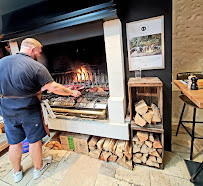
149	128
146	81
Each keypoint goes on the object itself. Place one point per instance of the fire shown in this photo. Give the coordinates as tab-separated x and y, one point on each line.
83	74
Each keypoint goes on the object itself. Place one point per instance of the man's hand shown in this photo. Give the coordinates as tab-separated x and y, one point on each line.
75	93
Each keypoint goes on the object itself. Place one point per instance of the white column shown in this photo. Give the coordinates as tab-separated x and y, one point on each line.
115	66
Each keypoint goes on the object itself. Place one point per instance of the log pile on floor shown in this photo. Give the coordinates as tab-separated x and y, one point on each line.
147	149
54	142
108	149
146	114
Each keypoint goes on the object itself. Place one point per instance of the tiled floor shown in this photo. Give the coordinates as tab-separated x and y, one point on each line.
70	168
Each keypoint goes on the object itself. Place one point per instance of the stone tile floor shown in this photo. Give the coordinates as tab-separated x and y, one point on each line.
72	169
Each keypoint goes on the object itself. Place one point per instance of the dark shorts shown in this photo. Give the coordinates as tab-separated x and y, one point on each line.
18	128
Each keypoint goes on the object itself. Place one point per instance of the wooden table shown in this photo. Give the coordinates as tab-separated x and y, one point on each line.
196	96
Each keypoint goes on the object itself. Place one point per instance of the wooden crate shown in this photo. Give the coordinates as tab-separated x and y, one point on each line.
150	89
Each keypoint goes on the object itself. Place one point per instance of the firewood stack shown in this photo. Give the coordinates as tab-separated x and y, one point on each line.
146	114
54	142
147	149
107	149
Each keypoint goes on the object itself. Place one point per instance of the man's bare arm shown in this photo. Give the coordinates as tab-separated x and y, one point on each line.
57	88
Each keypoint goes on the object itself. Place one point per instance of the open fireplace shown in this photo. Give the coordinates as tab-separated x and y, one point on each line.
79	65
83	50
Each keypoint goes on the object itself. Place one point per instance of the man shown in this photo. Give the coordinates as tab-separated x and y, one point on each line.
21	77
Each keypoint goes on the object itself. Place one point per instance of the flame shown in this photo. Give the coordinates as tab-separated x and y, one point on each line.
82	74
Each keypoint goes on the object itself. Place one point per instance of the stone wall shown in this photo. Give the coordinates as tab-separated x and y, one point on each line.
187	41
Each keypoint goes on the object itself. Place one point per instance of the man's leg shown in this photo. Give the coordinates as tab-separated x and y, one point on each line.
35	150
15	155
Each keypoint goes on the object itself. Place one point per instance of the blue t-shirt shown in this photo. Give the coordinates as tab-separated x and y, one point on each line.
20	75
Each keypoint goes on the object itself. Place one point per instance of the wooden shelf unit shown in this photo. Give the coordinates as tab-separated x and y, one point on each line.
150	89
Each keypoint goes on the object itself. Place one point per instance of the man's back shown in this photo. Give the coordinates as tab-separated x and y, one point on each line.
21	76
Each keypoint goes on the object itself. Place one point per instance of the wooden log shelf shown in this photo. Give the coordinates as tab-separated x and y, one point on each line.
146	117
149	128
148	150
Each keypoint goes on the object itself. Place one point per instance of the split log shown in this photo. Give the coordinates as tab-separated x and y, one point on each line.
92	155
149	162
92	148
54	145
157	143
135	138
157	116
93	141
139	120
155	164
136	160
142	136
100	143
50	144
57	146
138	155
111	145
151	150
128	151
141	107
128	155
101	157
151	137
112	158
148	116
148	143
127	146
159	160
120	148
115	146
136	148
143	159
106	144
155	119
159	151
95	153
144	149
145	154
106	155
152	158
139	143
155	153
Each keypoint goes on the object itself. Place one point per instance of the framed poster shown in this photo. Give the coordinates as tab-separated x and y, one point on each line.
145	40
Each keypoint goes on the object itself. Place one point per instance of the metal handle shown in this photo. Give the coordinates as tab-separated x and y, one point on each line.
85	116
